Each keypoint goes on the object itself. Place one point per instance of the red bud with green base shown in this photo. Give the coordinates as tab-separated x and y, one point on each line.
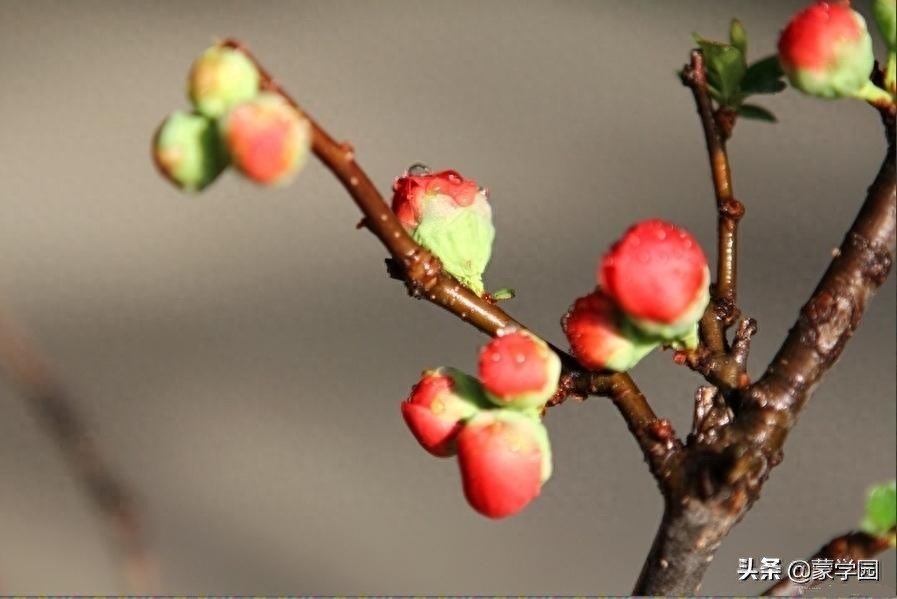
657	275
598	335
826	52
451	217
504	457
438	406
268	140
518	370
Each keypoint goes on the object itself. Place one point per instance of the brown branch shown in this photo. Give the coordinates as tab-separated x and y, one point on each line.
729	209
55	409
849	546
425	279
713	359
726	467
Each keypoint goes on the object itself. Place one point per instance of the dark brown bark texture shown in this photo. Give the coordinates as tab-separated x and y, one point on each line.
727	460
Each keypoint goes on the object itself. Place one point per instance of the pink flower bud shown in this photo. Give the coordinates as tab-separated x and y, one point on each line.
657	275
504	458
438	406
268	140
598	335
519	370
826	51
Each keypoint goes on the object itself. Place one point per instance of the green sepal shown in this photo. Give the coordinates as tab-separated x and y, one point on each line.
461	237
465	386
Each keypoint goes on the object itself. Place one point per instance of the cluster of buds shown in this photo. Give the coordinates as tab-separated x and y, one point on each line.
826	51
653	287
451	217
491	423
233	122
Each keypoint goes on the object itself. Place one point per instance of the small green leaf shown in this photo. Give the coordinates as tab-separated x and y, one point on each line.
502	294
715	94
738	36
725	68
757	113
881	509
764	77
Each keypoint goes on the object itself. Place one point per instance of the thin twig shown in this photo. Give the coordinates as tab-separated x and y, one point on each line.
713	358
56	410
425	279
729	209
851	546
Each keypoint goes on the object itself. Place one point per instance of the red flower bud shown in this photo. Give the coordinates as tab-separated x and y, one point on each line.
826	51
411	191
504	458
269	141
451	217
519	370
657	275
598	335
438	406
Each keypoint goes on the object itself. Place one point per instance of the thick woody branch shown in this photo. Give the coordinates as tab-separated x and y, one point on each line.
829	318
850	546
55	409
727	466
425	279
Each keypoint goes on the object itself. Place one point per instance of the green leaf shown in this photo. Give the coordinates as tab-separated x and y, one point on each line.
764	77
715	94
738	36
757	113
881	509
725	68
505	293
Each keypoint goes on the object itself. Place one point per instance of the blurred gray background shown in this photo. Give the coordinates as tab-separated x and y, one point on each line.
241	355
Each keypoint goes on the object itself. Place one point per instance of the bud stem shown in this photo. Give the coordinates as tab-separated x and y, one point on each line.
874	95
891	73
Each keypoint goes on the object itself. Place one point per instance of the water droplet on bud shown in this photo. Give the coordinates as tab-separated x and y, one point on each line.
417	169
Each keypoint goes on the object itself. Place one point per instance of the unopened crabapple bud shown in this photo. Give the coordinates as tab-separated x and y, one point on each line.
826	51
657	275
504	457
599	337
220	79
518	370
268	139
188	151
438	406
451	217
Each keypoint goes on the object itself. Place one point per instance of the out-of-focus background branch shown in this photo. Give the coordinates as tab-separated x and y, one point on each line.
209	338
